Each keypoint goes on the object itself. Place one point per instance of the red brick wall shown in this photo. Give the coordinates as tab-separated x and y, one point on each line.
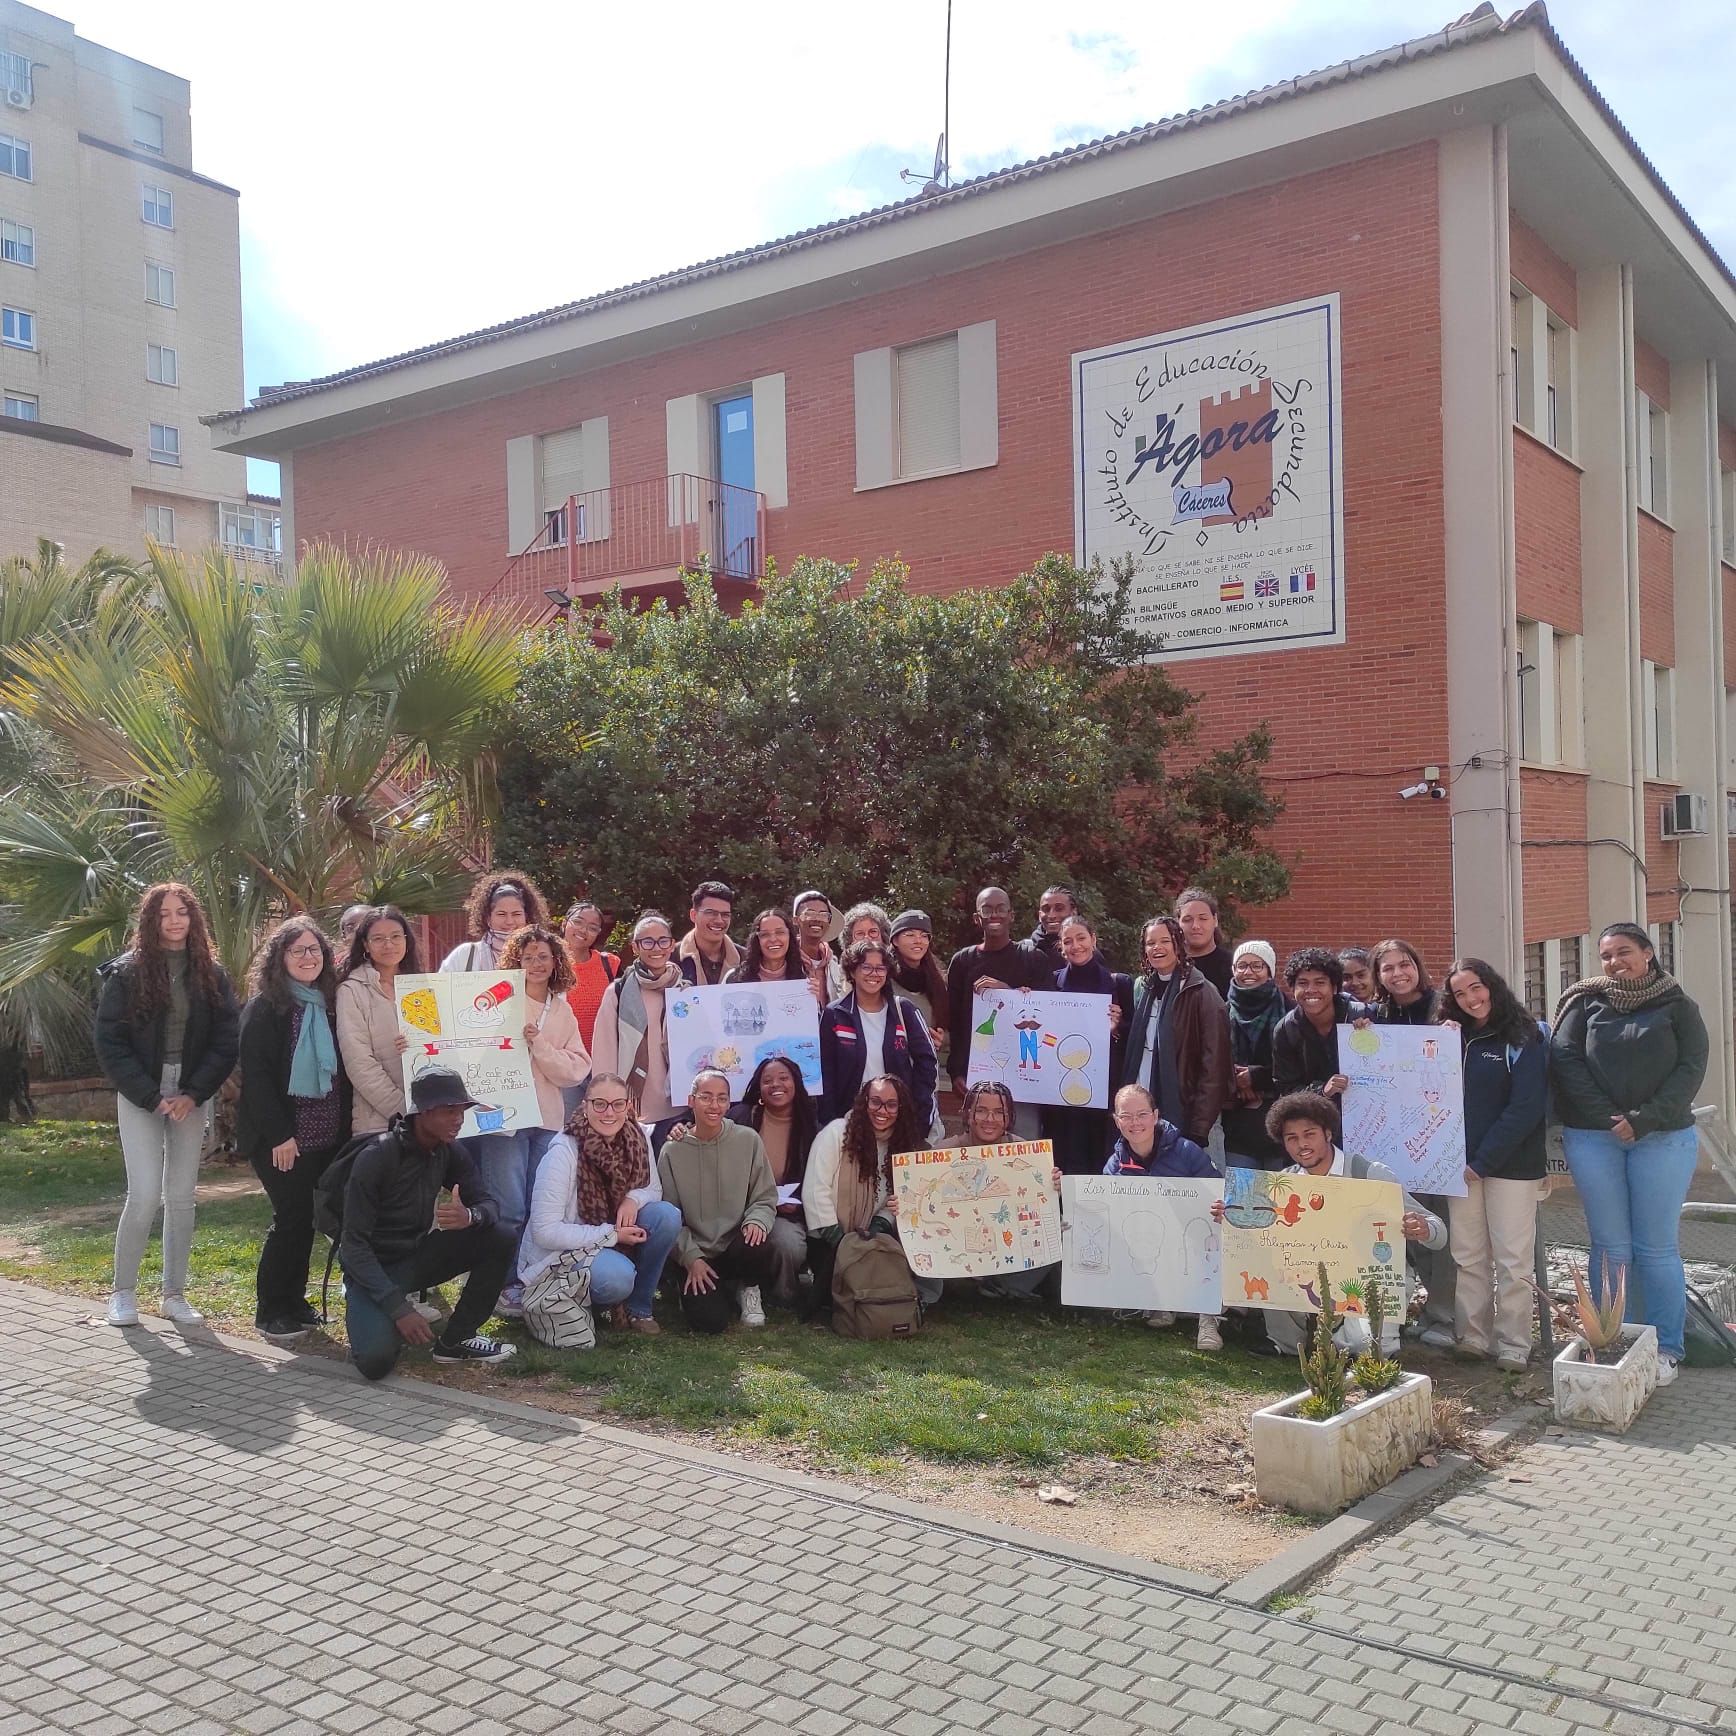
1651	373
1366	230
1663	860
1550	278
1546	530
1657	592
1557	877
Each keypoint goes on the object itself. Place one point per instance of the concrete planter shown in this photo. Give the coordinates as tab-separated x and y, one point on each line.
1314	1467
1607	1395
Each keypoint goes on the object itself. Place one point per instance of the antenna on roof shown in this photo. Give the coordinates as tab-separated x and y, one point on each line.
940	176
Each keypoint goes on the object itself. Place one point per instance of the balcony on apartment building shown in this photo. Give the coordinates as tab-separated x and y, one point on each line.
640	536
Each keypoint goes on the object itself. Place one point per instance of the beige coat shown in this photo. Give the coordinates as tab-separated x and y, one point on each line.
368	1041
606	1056
557	1056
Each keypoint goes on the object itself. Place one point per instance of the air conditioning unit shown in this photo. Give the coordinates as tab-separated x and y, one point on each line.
17	98
1687	816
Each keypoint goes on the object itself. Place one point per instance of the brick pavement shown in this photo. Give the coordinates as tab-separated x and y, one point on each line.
194	1539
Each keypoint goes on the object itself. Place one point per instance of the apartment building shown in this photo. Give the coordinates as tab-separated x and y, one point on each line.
1409	384
120	306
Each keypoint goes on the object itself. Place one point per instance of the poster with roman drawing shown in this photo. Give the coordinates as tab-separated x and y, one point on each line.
1145	1242
735	1026
1044	1045
978	1210
1406	1103
473	1022
1279	1228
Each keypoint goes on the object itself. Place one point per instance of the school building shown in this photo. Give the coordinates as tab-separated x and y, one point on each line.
1408	383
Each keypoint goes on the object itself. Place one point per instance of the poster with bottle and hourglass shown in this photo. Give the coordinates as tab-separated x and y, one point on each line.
1044	1045
1405	1106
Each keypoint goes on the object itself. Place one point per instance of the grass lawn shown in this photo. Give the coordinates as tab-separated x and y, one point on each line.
986	1383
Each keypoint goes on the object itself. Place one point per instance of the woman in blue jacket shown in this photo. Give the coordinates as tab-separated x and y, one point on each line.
1494	1227
871	1032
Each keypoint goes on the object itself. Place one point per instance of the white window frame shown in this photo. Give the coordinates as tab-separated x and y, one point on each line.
146	144
1727	516
157	205
265	527
162	365
928	422
23	324
1658	699
1666	943
1551	696
17	243
165	275
156	519
1522	355
1558	384
881	461
1652	459
168	449
17	73
18	148
21	406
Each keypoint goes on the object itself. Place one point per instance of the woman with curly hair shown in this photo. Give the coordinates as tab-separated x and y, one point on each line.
498	906
1305	1044
988	1120
166	1041
294	1109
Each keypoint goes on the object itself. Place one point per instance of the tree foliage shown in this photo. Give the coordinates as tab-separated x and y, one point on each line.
848	734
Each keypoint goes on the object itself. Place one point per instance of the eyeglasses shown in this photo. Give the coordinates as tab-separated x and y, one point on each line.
650	943
876	1108
313	950
606	1105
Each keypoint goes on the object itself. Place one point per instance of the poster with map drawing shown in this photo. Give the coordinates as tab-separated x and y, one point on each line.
1406	1103
1044	1045
473	1022
978	1210
1145	1242
735	1026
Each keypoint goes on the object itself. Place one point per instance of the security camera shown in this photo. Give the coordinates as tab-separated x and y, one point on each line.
1410	790
1438	791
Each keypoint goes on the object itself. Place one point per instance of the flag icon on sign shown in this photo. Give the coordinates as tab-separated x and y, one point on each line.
1302	579
1266	585
1230	591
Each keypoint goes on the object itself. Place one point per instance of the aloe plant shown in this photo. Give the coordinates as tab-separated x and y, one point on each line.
1600	1324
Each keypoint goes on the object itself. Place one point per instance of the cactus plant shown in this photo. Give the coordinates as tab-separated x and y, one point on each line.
1323	1363
1375	1373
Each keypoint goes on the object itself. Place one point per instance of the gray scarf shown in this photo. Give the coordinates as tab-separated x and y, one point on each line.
633	1022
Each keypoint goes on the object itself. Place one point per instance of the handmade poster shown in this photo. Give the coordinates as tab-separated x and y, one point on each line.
1406	1103
1136	1241
1278	1229
473	1022
735	1026
1044	1045
978	1210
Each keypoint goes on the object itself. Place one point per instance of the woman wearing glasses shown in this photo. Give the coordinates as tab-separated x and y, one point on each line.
600	1229
629	1037
293	1112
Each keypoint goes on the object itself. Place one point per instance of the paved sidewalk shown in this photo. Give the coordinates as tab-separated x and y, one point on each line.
194	1539
1606	1564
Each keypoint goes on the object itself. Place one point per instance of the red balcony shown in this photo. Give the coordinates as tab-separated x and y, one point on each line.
639	535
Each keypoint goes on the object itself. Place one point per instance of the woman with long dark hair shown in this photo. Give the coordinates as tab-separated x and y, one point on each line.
166	1040
294	1109
770	955
593	969
1081	1137
1178	1043
499	905
1494	1227
776	1105
917	976
871	1031
1628	1054
370	1042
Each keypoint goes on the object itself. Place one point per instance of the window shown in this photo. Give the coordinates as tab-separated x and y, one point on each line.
160	525
1560	382
1541	357
1727	516
15	71
1536	980
161	364
925	380
1572	963
1551	730
250	528
159	285
17	242
14	157
165	444
561	460
1664	944
147	130
1652	427
1658	696
21	406
158	206
1519	356
17	328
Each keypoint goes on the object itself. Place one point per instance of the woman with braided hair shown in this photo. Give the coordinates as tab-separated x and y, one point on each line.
988	1120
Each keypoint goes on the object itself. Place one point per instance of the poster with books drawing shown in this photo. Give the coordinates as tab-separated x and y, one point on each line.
978	1210
1145	1242
473	1022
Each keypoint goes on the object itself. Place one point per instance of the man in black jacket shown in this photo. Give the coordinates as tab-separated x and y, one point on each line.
997	961
387	1249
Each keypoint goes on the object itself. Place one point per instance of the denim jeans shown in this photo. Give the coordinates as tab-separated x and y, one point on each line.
630	1274
1633	1198
508	1162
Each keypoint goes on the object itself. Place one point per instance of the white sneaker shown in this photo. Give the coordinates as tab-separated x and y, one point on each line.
123	1309
181	1312
1209	1338
1159	1318
752	1309
1666	1370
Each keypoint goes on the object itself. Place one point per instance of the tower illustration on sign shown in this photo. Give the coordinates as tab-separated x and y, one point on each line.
1247	467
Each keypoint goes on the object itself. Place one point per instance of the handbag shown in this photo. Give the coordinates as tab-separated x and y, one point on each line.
557	1303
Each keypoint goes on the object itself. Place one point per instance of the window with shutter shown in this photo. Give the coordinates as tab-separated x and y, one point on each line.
926	382
561	474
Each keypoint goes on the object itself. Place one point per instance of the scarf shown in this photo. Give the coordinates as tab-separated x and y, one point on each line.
1622	994
856	1198
609	1169
314	1065
1254	1016
633	1022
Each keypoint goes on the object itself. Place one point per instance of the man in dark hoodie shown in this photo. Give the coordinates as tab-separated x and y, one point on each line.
1053	909
996	962
392	1195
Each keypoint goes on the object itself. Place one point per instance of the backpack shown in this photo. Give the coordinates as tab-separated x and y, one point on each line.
1707	1342
873	1293
328	1202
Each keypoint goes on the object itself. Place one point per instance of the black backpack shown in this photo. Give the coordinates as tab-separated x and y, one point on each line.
328	1201
1708	1342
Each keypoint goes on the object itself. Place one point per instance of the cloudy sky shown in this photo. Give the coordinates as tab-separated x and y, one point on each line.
410	171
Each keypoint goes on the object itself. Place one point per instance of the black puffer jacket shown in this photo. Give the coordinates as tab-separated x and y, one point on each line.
131	1054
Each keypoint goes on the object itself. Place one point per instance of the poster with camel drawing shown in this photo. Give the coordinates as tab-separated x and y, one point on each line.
1146	1242
978	1210
735	1026
473	1021
1405	1106
1278	1229
1044	1045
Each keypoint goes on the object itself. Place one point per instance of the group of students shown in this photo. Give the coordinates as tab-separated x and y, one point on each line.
1216	1061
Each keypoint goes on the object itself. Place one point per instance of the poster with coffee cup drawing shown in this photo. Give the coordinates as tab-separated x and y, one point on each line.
1405	1105
1279	1228
1143	1242
1044	1045
473	1022
977	1211
735	1026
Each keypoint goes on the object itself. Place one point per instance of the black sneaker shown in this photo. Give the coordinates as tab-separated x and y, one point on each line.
280	1331
307	1314
473	1350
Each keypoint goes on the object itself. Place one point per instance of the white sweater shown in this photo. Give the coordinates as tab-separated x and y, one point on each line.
820	1181
554	1225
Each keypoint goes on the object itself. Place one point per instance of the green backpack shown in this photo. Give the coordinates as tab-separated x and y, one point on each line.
873	1293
